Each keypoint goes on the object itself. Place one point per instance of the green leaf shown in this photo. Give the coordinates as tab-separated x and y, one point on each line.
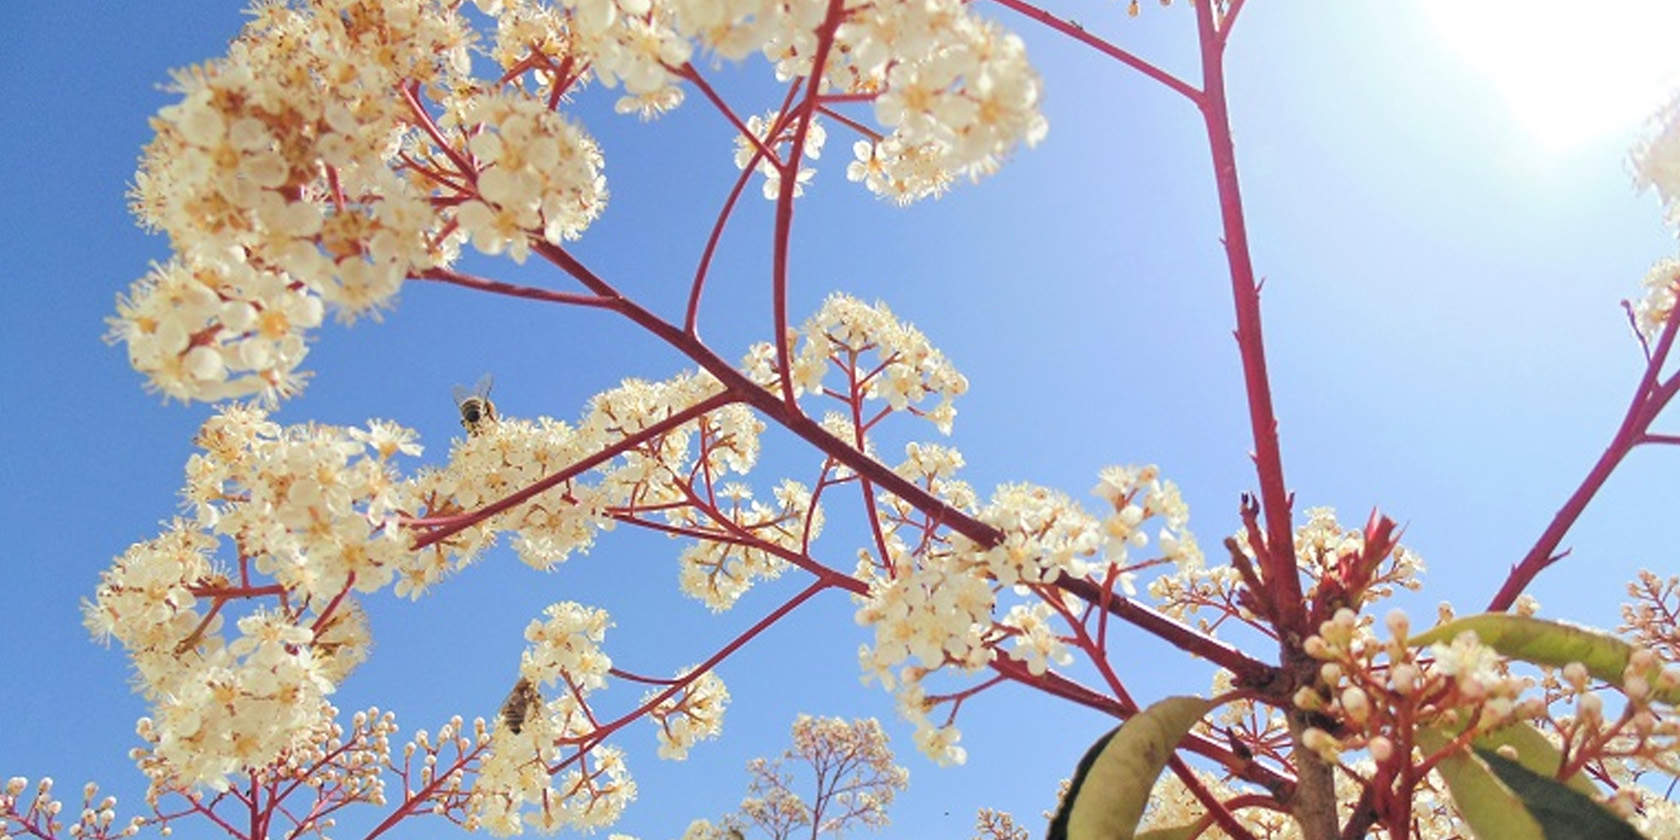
1177	832
1111	785
1534	752
1546	643
1563	813
1491	810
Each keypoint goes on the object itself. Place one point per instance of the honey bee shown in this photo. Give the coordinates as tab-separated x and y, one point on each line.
477	411
520	701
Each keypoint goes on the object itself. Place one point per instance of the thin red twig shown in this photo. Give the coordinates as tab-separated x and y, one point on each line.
1075	32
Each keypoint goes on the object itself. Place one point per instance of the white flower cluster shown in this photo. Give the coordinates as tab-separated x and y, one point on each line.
239	708
1137	495
896	363
1662	285
511	454
273	178
295	172
538	175
761	127
309	507
1322	546
936	606
955	90
211	329
566	648
719	571
693	714
515	788
1656	159
1045	533
959	95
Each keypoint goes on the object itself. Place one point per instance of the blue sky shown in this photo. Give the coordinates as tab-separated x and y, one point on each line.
1441	314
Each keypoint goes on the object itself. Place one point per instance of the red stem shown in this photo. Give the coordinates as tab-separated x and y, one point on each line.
484	284
744	389
688	72
784	202
1279	557
1230	20
691	319
1648	401
1073	31
456	524
712	661
1248	671
424	121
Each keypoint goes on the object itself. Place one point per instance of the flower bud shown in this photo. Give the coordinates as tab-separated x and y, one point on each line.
1641	660
1306	698
1398	624
1403	678
1591	708
1315	647
1356	704
1636	689
1576	675
1381	748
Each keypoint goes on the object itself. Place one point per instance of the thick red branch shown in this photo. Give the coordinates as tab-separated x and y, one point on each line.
789	182
1279	556
874	471
1248	670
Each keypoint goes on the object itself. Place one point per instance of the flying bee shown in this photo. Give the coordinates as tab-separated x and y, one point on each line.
520	701
477	411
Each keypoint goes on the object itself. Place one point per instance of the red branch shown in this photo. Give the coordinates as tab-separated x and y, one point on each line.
455	524
691	318
745	390
484	284
1073	30
1248	671
1649	399
1279	557
784	202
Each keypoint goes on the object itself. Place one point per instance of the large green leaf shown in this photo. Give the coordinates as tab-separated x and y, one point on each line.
1534	752
1563	814
1177	832
1546	643
1491	810
1112	782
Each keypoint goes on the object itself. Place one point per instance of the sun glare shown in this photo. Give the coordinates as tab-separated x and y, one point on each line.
1569	71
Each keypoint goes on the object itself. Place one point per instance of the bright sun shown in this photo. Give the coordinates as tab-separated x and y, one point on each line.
1570	70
